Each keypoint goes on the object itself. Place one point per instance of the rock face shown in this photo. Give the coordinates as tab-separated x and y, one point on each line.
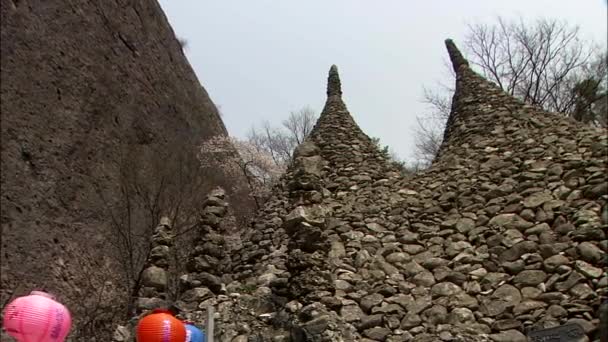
503	235
89	91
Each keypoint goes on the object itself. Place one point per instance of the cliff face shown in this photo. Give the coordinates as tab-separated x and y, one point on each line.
503	235
97	102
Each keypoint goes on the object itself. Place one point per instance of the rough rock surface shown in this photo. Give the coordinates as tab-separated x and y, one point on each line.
83	83
503	235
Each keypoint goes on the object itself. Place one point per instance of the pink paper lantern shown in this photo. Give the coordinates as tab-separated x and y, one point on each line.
37	318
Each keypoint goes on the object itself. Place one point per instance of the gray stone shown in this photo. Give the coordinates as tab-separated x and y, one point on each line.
419	304
155	277
410	320
377	333
510	221
554	262
351	313
121	334
424	278
214	283
461	315
590	252
149	303
445	289
509	336
518	250
317	325
528	305
530	277
370	321
588	270
537	199
464	225
368	302
196	294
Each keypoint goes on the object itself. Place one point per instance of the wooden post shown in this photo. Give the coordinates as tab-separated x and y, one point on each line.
210	326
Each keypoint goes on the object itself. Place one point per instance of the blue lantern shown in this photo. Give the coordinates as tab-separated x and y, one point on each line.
194	334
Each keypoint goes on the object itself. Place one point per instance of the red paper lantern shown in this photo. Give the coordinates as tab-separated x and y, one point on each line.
161	326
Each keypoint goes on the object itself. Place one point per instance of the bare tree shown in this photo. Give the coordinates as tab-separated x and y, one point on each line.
152	182
540	62
545	63
280	142
299	124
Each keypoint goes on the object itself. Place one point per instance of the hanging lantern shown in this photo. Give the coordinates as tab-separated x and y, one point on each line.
194	334
161	326
37	317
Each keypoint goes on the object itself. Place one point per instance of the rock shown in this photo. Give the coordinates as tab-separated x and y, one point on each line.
509	336
587	326
530	277
556	311
398	257
510	221
461	315
351	313
464	225
419	304
410	320
306	149
445	289
582	291
537	199
149	303
554	262
512	237
368	302
506	324
424	279
590	252
588	270
377	333
196	294
528	305
518	250
375	227
412	249
508	293
310	165
318	325
214	283
121	334
155	277
370	322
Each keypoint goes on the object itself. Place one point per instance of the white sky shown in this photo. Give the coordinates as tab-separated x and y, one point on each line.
261	59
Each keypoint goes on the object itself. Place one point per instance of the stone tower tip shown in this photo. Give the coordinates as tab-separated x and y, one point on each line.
333	82
455	55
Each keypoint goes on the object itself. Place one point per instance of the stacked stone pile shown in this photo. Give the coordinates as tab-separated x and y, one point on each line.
155	277
504	234
510	221
209	261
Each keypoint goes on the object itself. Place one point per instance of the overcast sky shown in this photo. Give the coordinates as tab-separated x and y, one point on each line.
261	59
